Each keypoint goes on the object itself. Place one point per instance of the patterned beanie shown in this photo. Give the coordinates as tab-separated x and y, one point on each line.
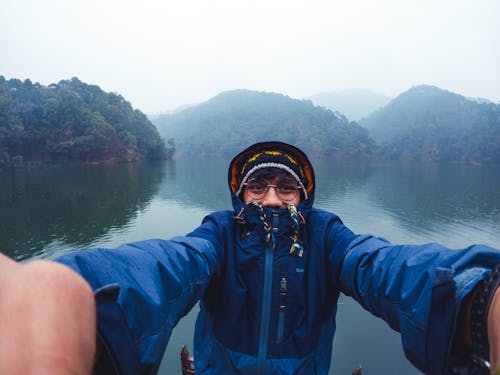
273	159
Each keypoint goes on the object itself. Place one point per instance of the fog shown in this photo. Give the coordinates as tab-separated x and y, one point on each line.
163	54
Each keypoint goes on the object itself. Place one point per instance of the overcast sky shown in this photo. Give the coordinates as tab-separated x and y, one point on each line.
160	54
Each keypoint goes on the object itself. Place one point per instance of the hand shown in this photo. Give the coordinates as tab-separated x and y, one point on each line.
47	319
494	333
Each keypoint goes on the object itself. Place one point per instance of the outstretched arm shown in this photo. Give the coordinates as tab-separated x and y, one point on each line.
47	319
419	291
142	290
130	298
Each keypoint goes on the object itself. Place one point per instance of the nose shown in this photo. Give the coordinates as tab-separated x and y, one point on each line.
271	199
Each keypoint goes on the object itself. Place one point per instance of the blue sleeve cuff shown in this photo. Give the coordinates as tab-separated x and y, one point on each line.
115	343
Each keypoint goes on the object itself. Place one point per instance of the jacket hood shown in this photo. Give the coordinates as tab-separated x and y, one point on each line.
240	160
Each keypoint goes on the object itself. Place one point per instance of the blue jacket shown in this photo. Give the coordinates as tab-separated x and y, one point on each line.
264	311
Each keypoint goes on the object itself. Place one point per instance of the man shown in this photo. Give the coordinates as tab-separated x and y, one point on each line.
268	276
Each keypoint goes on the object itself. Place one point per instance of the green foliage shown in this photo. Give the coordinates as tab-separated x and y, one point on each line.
72	121
233	120
430	124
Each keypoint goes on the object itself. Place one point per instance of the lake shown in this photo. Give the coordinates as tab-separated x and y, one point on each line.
45	212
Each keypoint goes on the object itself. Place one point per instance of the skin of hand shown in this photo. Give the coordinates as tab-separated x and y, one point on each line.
47	319
493	322
494	333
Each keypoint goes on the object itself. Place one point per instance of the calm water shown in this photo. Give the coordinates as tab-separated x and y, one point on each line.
47	212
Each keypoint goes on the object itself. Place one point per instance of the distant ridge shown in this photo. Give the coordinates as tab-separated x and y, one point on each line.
431	124
74	121
232	120
355	104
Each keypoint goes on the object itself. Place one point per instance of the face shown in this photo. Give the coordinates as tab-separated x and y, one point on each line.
272	193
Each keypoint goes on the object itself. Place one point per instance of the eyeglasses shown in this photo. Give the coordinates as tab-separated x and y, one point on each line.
258	191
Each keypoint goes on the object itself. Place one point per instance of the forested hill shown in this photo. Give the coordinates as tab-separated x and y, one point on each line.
233	120
430	124
71	121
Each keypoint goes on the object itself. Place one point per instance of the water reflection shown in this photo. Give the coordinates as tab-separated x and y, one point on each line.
197	183
335	179
70	206
423	195
415	203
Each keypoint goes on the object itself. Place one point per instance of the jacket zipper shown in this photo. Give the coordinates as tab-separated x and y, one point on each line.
281	316
266	302
266	311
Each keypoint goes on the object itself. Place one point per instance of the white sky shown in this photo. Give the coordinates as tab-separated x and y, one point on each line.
160	54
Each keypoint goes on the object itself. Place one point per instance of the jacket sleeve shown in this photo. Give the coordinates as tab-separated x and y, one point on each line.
142	290
416	289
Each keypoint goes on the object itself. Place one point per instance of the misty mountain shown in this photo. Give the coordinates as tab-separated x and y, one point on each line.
232	120
355	104
431	124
